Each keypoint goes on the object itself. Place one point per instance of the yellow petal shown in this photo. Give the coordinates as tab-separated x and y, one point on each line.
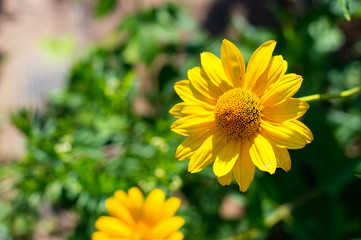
117	209
186	109
188	93
136	201
122	197
206	153
275	72
170	207
283	158
303	130
258	63
233	63
193	125
262	154
290	109
118	238
168	226
188	147
104	236
244	168
226	179
227	157
113	226
199	79
100	236
290	134
153	205
176	236
282	90
212	65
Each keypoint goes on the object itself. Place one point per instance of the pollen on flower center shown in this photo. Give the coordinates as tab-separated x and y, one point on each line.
238	113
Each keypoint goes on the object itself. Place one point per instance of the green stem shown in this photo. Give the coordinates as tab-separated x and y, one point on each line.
284	211
326	96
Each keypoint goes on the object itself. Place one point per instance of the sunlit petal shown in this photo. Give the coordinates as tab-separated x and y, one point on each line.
233	63
259	63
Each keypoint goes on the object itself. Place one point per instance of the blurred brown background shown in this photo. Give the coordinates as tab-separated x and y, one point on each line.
27	73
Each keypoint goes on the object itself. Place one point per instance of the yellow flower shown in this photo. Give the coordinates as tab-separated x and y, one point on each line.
240	118
134	218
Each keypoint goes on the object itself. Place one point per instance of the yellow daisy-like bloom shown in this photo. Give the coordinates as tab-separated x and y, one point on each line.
134	218
240	118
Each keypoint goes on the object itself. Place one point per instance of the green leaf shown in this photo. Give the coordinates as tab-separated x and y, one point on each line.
358	175
345	7
104	7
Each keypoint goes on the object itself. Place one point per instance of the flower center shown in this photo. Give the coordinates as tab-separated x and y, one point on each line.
238	113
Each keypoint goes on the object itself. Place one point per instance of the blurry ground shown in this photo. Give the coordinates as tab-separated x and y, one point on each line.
28	29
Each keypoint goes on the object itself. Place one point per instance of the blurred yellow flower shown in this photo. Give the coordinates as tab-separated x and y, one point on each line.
134	218
240	118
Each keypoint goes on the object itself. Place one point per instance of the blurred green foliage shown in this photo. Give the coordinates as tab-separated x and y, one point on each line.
109	130
104	7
